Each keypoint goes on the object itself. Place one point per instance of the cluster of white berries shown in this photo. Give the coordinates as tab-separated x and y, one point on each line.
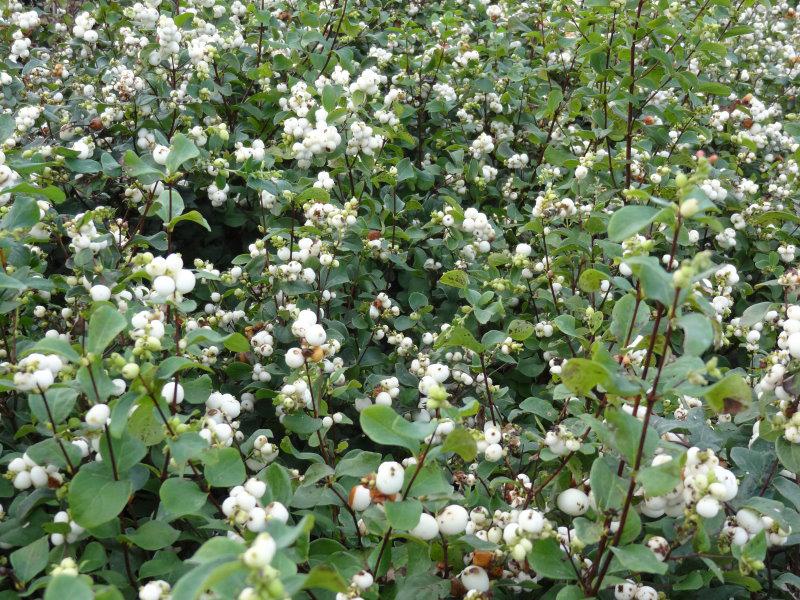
220	426
630	590
25	473
243	506
482	146
8	179
170	279
293	396
359	583
490	445
82	28
155	590
363	140
313	140
97	416
478	224
387	390
218	196
148	330
789	339
264	452
704	487
313	334
261	552
36	372
263	343
431	386
330	215
169	38
70	537
561	441
746	524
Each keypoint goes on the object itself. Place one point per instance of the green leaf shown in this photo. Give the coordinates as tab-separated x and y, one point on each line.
54	346
384	426
236	342
788	454
358	463
456	279
330	97
581	375
181	497
169	205
51	192
754	313
462	443
279	485
660	479
94	497
10	283
104	325
698	333
775	216
24	214
458	336
729	395
181	149
30	560
224	467
591	279
630	220
7	126
154	535
405	170
61	401
49	452
626	431
193	217
520	330
713	88
549	560
403	515
175	364
623	315
187	446
609	489
145	171
656	282
639	559
326	578
204	576
62	587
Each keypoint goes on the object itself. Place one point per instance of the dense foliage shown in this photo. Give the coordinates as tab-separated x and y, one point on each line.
352	299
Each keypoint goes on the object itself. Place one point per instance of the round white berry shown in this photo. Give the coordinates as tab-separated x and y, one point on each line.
453	519
97	416
294	358
163	285
100	293
172	392
573	501
427	528
531	521
363	580
708	507
315	335
389	478
493	452
360	498
475	578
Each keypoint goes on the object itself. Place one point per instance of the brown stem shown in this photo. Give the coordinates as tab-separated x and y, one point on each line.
55	431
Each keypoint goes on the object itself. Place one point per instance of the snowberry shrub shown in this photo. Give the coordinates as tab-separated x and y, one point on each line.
347	299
